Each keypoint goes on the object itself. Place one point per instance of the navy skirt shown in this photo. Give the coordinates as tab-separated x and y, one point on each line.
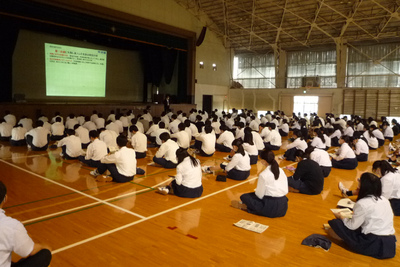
271	207
326	171
380	247
362	157
395	203
381	142
253	159
290	154
235	174
346	164
335	141
183	191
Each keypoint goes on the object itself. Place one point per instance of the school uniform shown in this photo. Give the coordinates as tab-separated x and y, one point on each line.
297	144
83	135
57	131
252	151
166	154
327	142
70	123
284	129
18	136
100	123
335	138
321	157
121	165
317	143
258	141
113	127
26	123
38	139
370	231
254	125
269	199
308	178
360	127
391	190
361	150
71	146
379	135
239	167
224	142
91	126
11	119
173	126
275	141
372	141
183	139
120	126
206	144
5	131
215	125
348	131
94	153
239	133
157	134
110	138
187	182
265	134
139	144
346	158
388	134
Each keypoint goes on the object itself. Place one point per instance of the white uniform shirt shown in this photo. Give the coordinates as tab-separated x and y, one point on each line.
5	129
26	123
374	216
124	159
70	123
100	123
276	139
53	120
152	130
372	141
120	125
83	134
239	162
57	128
250	149
254	125
18	133
110	138
168	151
111	117
391	185
208	142
14	238
91	126
360	127
298	144
113	127
183	139
215	125
388	132
147	117
11	119
284	127
139	142
321	157
361	147
268	186
265	134
194	129
96	150
327	141
348	131
39	135
345	152
226	139
81	120
188	175
94	117
73	145
173	126
158	133
258	141
378	134
124	120
239	133
317	142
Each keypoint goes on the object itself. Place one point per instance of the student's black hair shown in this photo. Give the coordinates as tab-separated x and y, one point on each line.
76	126
240	125
319	134
58	119
174	116
370	185
187	123
199	117
71	132
161	125
39	123
350	124
100	115
248	136
207	122
223	128
181	126
373	127
94	134
269	157
299	153
384	166
122	140
272	126
369	130
336	126
133	128
346	139
182	153
208	129
299	134
3	191
164	136
239	144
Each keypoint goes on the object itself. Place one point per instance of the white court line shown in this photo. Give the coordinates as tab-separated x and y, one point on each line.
92	204
147	218
24	157
74	190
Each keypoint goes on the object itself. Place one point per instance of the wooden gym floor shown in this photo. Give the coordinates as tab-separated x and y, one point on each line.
108	224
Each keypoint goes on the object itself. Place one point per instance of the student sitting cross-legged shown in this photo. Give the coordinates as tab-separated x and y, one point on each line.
187	182
121	164
269	199
165	155
96	150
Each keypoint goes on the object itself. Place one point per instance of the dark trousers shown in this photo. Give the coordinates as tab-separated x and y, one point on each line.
84	146
21	142
140	155
165	163
389	138
40	259
290	154
29	141
112	168
268	146
282	133
222	148
326	171
381	142
66	156
300	185
90	162
5	138
335	141
253	159
56	137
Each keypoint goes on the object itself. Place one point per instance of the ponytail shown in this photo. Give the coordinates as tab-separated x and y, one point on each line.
269	157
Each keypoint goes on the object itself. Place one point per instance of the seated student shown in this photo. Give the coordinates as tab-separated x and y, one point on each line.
274	137
205	142
152	130
14	238
337	133
257	141
57	130
269	199
345	157
349	131
110	138
321	157
26	123
138	142
360	147
318	140
387	131
83	135
191	129
71	145
161	129
166	154
121	164
38	138
239	166
71	121
100	121
249	146
370	231
18	136
96	150
187	182
182	137
308	177
298	144
112	126
88	124
239	130
378	134
225	139
5	130
284	128
10	118
395	127
326	137
372	141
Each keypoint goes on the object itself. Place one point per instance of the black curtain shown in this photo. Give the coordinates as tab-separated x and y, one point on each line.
8	38
182	96
169	60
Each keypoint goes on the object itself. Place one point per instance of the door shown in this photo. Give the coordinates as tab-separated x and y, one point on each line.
207	103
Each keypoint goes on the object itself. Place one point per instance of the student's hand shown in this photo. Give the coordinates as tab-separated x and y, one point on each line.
338	215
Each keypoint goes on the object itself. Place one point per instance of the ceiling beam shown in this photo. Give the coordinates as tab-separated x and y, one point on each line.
319	6
280	25
350	17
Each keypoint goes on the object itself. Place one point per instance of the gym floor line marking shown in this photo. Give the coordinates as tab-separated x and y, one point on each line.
72	189
149	217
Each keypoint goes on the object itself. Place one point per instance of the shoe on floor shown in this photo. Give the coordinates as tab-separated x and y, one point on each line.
163	190
104	178
151	163
94	173
343	189
238	205
206	169
227	158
